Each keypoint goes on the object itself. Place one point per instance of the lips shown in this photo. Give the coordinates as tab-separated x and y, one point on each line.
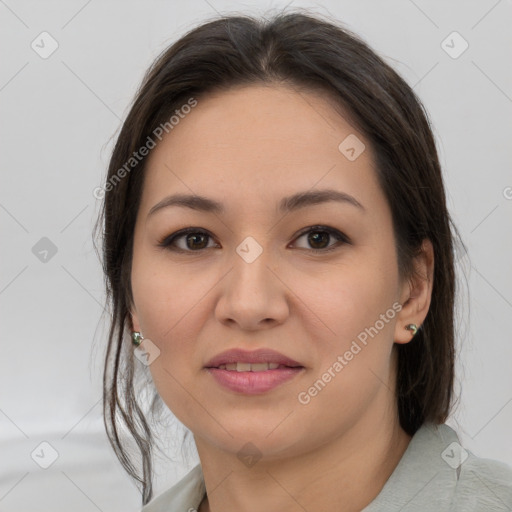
259	356
252	372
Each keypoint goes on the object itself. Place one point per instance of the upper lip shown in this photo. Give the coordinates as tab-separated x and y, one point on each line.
262	355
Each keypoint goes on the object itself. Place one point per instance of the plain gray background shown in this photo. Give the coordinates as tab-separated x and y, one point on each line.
58	116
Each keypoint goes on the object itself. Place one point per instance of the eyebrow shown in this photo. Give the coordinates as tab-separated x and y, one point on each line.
286	205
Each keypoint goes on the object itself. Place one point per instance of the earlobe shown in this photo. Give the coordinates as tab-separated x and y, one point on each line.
413	328
136	334
405	333
418	295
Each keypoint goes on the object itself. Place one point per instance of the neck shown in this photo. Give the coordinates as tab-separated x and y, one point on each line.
350	469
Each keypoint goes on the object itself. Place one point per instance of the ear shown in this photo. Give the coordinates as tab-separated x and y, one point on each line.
416	294
134	320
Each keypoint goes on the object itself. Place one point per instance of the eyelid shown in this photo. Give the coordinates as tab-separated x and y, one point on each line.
168	240
336	233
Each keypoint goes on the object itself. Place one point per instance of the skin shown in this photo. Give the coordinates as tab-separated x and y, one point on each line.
248	148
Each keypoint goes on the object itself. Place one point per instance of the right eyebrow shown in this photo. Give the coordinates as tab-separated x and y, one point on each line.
287	204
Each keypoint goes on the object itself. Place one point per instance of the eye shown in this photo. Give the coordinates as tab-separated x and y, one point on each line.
196	239
318	236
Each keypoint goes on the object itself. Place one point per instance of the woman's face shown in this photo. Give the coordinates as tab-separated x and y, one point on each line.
250	277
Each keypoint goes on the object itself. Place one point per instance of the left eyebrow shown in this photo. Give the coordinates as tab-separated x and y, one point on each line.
308	198
287	204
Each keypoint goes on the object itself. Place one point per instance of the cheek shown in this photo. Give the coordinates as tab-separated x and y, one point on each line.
173	304
354	354
165	295
348	299
355	302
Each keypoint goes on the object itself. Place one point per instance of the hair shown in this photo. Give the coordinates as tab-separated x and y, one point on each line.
304	52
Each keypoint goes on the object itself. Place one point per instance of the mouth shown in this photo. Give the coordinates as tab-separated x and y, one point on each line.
256	360
252	373
253	367
254	382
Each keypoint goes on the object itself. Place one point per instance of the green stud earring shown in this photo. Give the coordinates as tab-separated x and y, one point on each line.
413	328
137	338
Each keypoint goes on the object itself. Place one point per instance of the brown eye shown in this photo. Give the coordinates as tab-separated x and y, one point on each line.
192	240
318	238
196	240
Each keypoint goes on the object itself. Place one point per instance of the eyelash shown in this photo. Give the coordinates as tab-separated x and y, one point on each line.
167	241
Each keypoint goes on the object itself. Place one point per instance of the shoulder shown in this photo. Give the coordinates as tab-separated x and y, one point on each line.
183	496
479	483
437	474
483	484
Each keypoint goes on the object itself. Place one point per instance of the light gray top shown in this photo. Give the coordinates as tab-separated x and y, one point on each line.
435	474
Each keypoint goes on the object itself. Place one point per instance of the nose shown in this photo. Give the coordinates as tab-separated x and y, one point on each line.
253	294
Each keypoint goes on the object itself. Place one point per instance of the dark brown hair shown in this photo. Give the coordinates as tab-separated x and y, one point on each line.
305	52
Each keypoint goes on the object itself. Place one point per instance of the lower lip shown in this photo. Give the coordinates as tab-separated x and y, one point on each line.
253	383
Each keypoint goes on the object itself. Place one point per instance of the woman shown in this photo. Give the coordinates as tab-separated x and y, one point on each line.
277	245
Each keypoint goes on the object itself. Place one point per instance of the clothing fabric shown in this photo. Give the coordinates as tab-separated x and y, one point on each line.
435	474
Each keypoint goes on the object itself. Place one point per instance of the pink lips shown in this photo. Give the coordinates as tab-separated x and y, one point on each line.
253	382
262	355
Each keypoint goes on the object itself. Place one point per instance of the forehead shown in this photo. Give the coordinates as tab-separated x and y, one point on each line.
253	141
